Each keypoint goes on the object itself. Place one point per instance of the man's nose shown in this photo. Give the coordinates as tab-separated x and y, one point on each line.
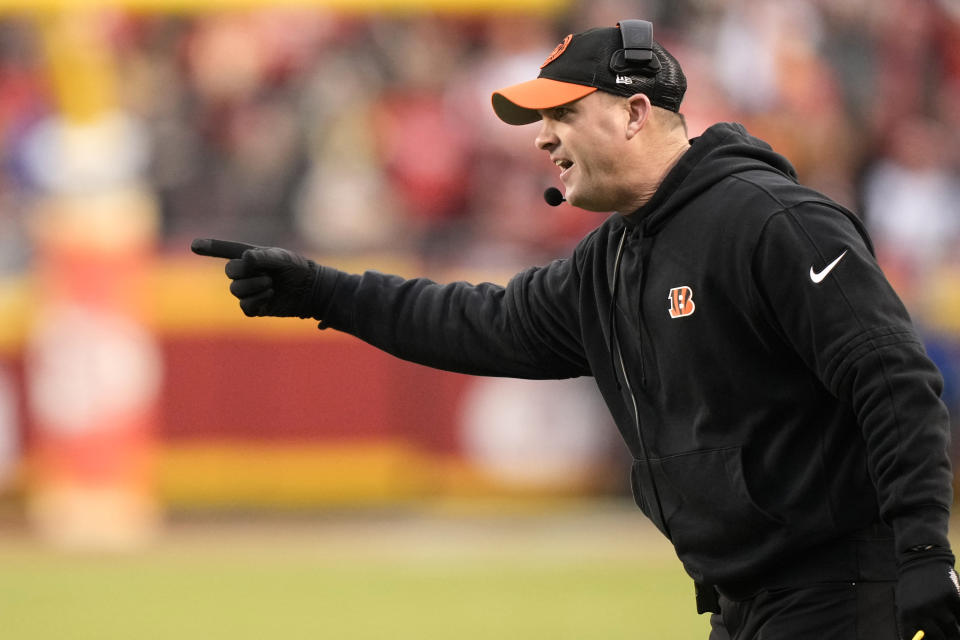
546	139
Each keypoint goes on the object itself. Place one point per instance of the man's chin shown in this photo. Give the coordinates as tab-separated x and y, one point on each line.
574	198
582	201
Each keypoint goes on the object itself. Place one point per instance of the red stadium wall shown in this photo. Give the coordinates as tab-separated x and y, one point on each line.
299	421
326	387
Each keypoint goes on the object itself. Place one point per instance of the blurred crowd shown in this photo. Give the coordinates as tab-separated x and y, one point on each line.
335	133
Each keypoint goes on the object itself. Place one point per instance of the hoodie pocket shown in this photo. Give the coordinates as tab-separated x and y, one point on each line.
706	501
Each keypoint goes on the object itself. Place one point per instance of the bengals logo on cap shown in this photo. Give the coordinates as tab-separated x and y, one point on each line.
560	48
681	302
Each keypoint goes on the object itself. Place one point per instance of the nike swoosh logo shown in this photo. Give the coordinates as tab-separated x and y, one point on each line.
818	277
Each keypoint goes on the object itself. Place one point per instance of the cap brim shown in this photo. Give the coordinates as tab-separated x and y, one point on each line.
518	104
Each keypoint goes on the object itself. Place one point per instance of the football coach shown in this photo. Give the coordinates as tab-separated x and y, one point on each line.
785	422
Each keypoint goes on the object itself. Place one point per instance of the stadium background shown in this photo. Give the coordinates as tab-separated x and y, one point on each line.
141	413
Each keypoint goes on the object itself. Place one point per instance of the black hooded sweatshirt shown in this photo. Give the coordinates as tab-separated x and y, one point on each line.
766	378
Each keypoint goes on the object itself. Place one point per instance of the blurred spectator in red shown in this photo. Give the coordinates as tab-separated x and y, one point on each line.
424	144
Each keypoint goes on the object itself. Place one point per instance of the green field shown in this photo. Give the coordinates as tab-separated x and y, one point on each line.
581	573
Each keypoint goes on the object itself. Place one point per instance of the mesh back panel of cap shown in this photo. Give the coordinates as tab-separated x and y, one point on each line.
671	84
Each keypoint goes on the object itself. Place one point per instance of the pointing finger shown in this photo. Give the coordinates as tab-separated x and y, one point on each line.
219	248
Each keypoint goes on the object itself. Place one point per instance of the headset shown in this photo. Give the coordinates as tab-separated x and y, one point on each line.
636	57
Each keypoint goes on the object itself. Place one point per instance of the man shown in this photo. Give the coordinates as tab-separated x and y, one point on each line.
784	420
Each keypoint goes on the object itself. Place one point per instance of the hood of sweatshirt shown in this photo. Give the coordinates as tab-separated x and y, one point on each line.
722	150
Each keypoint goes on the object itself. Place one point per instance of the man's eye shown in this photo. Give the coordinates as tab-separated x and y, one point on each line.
560	112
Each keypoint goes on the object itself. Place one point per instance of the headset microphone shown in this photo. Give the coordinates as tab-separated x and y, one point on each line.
553	196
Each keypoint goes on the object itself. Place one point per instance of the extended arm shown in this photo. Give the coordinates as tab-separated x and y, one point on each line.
528	329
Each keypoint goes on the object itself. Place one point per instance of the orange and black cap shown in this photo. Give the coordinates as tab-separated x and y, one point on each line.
622	60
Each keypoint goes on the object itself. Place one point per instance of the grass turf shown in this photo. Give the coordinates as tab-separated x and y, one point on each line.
528	578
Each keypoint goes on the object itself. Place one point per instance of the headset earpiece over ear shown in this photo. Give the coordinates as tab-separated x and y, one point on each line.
637	56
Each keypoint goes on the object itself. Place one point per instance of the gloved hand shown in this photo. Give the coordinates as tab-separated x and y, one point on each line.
268	281
928	595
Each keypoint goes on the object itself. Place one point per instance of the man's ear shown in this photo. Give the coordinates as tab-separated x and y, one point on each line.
638	110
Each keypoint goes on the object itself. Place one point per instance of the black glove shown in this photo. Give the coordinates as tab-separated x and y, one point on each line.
268	281
928	595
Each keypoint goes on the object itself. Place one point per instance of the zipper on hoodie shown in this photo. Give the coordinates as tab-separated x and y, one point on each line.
617	353
614	292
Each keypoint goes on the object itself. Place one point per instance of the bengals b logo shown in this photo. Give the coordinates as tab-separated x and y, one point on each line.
681	302
560	48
